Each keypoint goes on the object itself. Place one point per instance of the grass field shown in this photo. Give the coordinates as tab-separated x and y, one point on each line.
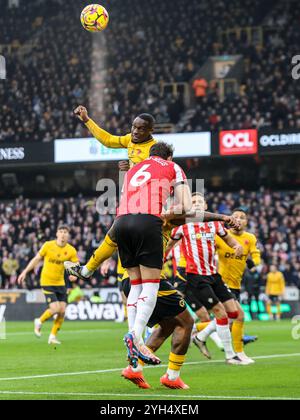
88	364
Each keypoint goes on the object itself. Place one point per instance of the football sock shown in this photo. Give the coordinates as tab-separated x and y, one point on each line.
201	326
278	311
135	291
237	336
175	363
216	339
46	315
139	367
57	325
145	306
105	251
204	334
232	317
125	311
223	331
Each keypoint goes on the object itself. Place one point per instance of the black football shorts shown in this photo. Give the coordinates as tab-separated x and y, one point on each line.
55	294
180	280
206	291
140	241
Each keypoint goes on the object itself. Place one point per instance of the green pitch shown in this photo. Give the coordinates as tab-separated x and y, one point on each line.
88	364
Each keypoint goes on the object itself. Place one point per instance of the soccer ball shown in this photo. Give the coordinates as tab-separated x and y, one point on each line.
94	18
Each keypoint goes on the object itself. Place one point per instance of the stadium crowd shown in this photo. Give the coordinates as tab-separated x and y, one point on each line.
26	224
46	83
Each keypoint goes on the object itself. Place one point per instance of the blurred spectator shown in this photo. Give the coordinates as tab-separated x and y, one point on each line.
27	224
10	267
252	283
200	85
275	288
137	63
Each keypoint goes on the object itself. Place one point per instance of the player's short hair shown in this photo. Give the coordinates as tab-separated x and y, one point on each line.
242	210
162	149
148	118
198	194
64	227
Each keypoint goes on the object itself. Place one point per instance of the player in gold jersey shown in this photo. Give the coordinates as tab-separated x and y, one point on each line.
54	254
232	268
138	143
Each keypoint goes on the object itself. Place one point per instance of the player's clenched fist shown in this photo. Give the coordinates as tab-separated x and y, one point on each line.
232	222
81	113
124	166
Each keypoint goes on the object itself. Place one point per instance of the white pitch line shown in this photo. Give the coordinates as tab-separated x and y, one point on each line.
144	396
14	334
91	372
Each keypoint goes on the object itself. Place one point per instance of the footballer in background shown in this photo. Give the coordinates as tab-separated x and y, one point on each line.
53	254
232	268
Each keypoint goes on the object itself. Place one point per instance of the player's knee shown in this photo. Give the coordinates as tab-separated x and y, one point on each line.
54	308
184	322
241	315
219	311
203	315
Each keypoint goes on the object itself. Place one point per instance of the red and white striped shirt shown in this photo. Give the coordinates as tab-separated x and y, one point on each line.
198	240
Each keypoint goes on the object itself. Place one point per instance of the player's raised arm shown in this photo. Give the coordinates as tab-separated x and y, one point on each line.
31	266
195	217
107	139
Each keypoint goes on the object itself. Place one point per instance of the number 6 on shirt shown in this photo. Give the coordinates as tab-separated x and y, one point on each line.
141	177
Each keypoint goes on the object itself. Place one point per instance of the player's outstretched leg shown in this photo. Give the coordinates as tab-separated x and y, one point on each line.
57	324
200	338
102	253
38	322
238	334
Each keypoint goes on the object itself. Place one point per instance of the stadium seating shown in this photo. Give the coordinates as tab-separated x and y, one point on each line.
137	59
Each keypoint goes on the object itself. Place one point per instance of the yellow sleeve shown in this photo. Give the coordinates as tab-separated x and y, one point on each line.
74	257
5	266
268	285
16	265
43	251
218	242
255	252
282	284
107	139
